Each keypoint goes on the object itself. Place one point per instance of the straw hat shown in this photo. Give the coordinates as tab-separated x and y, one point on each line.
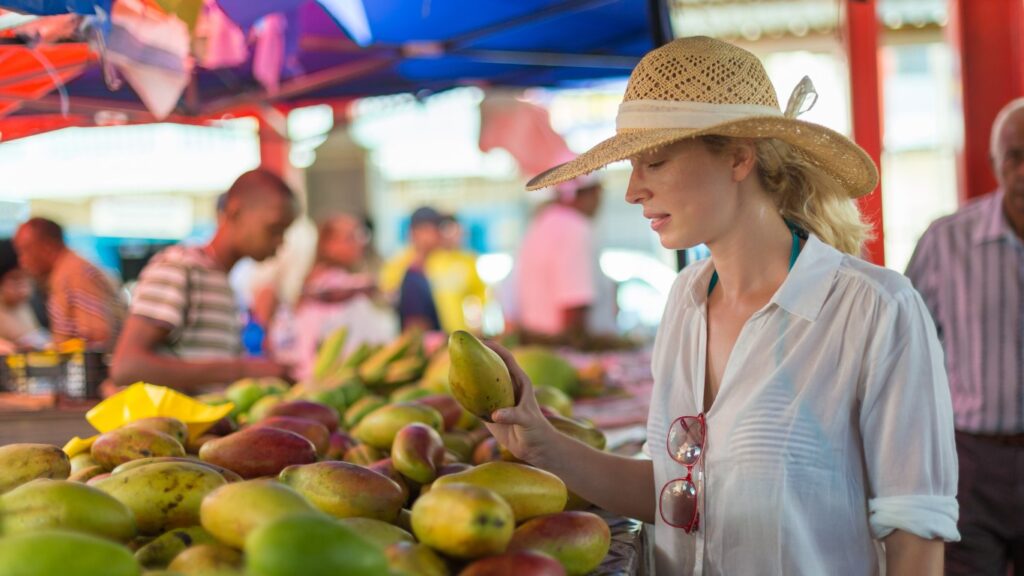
699	86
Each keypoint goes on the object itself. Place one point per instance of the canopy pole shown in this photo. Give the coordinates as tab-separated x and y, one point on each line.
861	27
988	43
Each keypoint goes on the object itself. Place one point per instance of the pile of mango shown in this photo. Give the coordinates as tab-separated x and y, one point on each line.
370	468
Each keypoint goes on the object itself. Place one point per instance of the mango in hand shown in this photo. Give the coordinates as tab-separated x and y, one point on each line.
478	377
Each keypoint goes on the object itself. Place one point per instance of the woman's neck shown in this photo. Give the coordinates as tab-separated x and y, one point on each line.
752	258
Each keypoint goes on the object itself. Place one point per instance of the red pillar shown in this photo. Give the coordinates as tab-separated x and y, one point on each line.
987	37
866	96
274	144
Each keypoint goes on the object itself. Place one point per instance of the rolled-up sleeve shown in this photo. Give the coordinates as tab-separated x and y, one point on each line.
907	425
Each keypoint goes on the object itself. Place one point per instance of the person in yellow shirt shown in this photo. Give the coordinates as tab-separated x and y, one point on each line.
450	270
458	290
404	278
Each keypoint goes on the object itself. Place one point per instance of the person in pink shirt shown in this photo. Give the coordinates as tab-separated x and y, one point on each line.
557	265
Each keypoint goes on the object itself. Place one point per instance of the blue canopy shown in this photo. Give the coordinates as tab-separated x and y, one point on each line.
354	48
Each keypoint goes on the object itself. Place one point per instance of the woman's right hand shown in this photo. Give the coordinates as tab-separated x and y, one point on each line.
522	429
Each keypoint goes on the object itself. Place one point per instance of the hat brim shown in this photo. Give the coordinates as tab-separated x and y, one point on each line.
834	153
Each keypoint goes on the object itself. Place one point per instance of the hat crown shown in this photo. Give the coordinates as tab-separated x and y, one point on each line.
701	69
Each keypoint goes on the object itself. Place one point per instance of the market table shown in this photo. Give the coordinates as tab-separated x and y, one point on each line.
42	419
55	420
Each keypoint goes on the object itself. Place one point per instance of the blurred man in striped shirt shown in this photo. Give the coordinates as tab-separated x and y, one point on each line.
969	267
184	329
81	301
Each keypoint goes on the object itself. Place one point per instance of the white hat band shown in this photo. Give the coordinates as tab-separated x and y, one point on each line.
655	114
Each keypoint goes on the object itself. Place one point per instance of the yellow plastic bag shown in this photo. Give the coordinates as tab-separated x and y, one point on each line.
142	400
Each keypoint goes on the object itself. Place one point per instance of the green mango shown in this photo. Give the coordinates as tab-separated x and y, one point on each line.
378	428
545	367
344	490
360	408
311	546
478	377
86	474
118	446
164	495
44	504
64	553
553	398
20	463
529	491
463	521
243	394
409	558
159	552
227	474
233	510
206	559
171	426
82	461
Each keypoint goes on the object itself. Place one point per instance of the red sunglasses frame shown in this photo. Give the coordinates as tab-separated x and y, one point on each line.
694	523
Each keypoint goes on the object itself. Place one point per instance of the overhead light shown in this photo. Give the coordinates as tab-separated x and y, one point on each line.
110	118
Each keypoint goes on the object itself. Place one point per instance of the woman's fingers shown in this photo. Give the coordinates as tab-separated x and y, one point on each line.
520	381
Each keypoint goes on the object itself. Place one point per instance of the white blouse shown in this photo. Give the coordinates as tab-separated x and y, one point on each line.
832	427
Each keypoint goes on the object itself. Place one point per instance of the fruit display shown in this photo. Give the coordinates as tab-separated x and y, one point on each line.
377	465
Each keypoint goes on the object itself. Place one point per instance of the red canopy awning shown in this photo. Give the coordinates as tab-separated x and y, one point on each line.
31	73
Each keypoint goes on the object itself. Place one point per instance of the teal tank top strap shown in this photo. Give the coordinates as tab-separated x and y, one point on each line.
797	232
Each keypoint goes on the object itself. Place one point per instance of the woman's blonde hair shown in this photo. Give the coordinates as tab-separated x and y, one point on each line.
804	193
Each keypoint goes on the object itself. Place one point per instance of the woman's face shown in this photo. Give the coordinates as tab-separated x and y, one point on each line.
347	243
687	192
15	288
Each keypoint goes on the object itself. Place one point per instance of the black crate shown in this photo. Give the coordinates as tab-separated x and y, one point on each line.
75	375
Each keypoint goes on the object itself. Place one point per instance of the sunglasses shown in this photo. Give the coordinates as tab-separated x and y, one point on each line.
678	502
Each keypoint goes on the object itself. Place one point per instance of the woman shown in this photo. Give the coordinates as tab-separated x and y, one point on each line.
18	326
339	291
800	412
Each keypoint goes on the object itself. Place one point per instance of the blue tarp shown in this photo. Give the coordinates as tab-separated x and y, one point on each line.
54	7
418	46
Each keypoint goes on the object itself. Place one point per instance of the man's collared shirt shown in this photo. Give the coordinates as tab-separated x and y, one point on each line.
968	268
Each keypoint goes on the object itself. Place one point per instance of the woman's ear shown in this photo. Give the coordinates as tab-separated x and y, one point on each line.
744	158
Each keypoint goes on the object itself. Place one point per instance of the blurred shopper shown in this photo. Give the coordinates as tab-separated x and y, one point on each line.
18	326
458	290
562	295
404	277
341	290
81	301
184	329
968	268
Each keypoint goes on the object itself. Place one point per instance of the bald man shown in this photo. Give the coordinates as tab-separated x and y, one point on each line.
969	267
184	330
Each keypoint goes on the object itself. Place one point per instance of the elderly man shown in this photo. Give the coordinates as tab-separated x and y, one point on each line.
184	329
81	301
969	267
